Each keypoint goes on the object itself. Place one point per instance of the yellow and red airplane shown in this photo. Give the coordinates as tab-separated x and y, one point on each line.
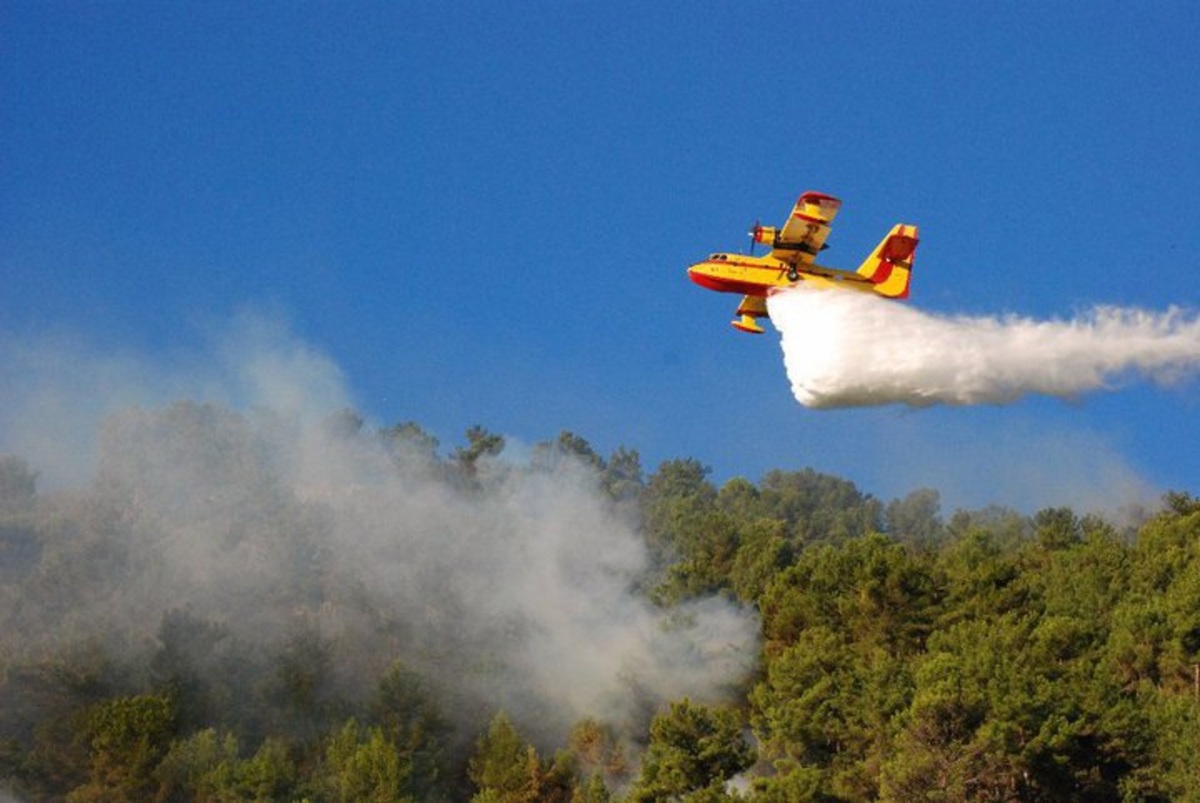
794	247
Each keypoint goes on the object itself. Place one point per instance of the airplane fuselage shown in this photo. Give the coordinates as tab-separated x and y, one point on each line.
757	276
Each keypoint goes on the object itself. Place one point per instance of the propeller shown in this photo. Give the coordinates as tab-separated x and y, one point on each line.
754	235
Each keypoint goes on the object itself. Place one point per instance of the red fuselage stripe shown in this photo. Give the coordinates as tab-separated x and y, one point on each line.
722	285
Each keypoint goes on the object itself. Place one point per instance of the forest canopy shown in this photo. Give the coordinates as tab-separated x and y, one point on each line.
243	606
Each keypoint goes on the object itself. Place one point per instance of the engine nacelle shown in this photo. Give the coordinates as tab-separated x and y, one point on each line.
765	235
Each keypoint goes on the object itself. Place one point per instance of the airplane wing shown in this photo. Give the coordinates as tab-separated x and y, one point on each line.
803	235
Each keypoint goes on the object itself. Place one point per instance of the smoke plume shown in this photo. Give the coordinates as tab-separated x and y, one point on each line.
845	349
511	586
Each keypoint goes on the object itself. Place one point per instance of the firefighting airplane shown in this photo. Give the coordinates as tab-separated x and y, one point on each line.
790	262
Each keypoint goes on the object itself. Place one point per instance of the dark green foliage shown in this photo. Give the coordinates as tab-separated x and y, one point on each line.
915	518
407	443
623	478
1057	528
45	709
871	588
480	443
568	445
989	655
764	550
127	737
208	766
198	664
818	507
302	693
693	749
406	710
505	768
501	762
842	627
362	764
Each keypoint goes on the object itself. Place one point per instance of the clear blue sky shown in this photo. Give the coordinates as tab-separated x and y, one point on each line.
482	212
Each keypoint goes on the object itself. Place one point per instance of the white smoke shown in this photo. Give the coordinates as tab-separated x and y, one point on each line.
845	349
57	389
244	506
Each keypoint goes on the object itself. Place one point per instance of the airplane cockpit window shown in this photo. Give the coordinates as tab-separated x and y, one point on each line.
718	258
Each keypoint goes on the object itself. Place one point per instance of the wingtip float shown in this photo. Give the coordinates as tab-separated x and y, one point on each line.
792	261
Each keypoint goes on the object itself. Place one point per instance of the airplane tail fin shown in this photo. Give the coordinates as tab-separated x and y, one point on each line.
889	267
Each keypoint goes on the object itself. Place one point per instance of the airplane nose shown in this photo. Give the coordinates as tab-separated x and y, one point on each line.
705	275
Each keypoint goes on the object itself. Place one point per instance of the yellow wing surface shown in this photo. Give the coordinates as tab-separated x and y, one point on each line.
802	237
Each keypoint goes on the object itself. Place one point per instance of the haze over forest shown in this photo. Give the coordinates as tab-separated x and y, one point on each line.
264	605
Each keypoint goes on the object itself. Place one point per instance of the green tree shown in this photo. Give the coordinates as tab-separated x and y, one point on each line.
128	737
818	507
623	478
192	665
1181	503
826	708
405	708
1165	573
978	577
871	588
1005	527
741	499
568	445
269	775
409	445
45	714
792	783
480	444
597	754
948	750
592	790
1171	771
1019	705
1056	528
191	767
914	519
303	697
362	764
763	552
505	768
707	543
678	496
693	749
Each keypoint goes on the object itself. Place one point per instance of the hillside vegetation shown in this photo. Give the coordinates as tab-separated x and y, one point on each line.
245	608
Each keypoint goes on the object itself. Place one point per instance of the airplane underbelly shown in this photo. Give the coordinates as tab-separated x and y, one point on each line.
746	280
